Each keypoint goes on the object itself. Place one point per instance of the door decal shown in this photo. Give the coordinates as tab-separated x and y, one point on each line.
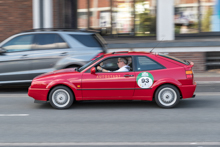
145	80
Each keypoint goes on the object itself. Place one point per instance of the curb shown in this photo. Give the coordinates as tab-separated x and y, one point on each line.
207	82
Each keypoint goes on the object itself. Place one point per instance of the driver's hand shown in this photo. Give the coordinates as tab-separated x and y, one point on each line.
101	64
99	68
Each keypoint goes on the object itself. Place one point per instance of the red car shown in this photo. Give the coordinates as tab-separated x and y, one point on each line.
152	76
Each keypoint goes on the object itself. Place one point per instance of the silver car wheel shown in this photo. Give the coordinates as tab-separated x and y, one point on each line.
167	96
61	98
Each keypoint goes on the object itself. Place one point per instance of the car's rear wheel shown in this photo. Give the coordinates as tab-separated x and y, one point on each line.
61	97
167	96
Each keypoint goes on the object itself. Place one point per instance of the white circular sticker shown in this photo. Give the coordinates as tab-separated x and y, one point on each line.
145	82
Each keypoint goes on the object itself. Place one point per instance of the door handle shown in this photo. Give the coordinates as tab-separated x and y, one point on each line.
128	75
64	54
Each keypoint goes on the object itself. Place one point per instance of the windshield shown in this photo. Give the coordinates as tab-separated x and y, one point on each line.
89	63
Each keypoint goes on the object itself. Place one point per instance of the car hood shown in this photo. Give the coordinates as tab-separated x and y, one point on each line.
65	70
68	70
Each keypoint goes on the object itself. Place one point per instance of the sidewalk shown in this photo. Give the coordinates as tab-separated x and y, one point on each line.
209	77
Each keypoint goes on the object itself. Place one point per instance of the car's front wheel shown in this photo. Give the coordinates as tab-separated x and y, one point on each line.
61	97
167	96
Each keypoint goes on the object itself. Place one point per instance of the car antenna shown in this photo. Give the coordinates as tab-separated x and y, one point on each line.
156	45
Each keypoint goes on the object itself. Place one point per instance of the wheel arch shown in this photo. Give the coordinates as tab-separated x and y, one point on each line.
167	84
60	85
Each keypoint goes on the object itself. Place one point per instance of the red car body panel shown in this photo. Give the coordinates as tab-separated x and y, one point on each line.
115	85
109	85
38	93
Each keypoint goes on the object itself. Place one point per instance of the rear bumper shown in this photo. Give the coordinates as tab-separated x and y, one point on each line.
38	93
188	90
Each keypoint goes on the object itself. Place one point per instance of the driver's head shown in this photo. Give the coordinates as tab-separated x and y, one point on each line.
122	62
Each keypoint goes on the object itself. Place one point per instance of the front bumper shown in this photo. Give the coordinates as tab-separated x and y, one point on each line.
38	93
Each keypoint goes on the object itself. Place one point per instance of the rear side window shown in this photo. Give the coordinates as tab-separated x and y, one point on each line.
143	63
175	59
20	43
87	40
49	41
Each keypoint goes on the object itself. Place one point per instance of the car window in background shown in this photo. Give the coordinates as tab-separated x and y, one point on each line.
144	63
20	43
49	41
87	40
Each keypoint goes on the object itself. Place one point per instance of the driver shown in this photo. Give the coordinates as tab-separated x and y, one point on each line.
122	64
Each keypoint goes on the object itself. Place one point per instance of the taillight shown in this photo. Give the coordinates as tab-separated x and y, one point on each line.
99	54
189	74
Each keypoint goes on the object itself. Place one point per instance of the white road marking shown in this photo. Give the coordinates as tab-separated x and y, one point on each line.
14	114
109	143
193	143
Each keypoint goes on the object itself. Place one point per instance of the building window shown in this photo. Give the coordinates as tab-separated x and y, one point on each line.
186	16
82	14
210	15
145	17
123	17
100	14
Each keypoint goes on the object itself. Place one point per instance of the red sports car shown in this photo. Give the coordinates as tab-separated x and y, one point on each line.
150	76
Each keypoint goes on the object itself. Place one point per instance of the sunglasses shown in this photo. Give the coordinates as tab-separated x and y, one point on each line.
119	61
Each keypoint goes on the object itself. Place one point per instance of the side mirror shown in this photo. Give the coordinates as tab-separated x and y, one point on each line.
93	70
2	50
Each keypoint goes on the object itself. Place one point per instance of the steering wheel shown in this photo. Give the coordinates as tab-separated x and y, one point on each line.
96	68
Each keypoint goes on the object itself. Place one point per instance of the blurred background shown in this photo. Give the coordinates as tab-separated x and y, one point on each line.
189	29
186	29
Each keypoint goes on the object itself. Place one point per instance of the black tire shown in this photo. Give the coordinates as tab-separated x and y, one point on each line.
61	97
167	96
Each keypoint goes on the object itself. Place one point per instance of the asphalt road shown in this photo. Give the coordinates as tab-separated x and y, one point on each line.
194	122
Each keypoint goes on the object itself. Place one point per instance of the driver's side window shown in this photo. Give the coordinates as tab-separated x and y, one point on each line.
109	64
112	64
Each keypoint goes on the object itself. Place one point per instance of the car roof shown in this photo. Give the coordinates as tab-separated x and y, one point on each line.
60	30
128	53
54	32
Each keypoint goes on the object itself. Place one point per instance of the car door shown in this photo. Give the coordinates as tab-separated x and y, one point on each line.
15	62
147	71
108	85
48	49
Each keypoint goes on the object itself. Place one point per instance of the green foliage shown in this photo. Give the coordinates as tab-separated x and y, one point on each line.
146	23
177	29
206	21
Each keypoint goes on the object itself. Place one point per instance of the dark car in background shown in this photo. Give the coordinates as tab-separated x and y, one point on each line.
28	54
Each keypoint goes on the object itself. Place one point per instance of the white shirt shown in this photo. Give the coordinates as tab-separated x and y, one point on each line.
123	69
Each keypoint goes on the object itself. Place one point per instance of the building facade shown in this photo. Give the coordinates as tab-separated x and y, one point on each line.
159	19
117	17
15	17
